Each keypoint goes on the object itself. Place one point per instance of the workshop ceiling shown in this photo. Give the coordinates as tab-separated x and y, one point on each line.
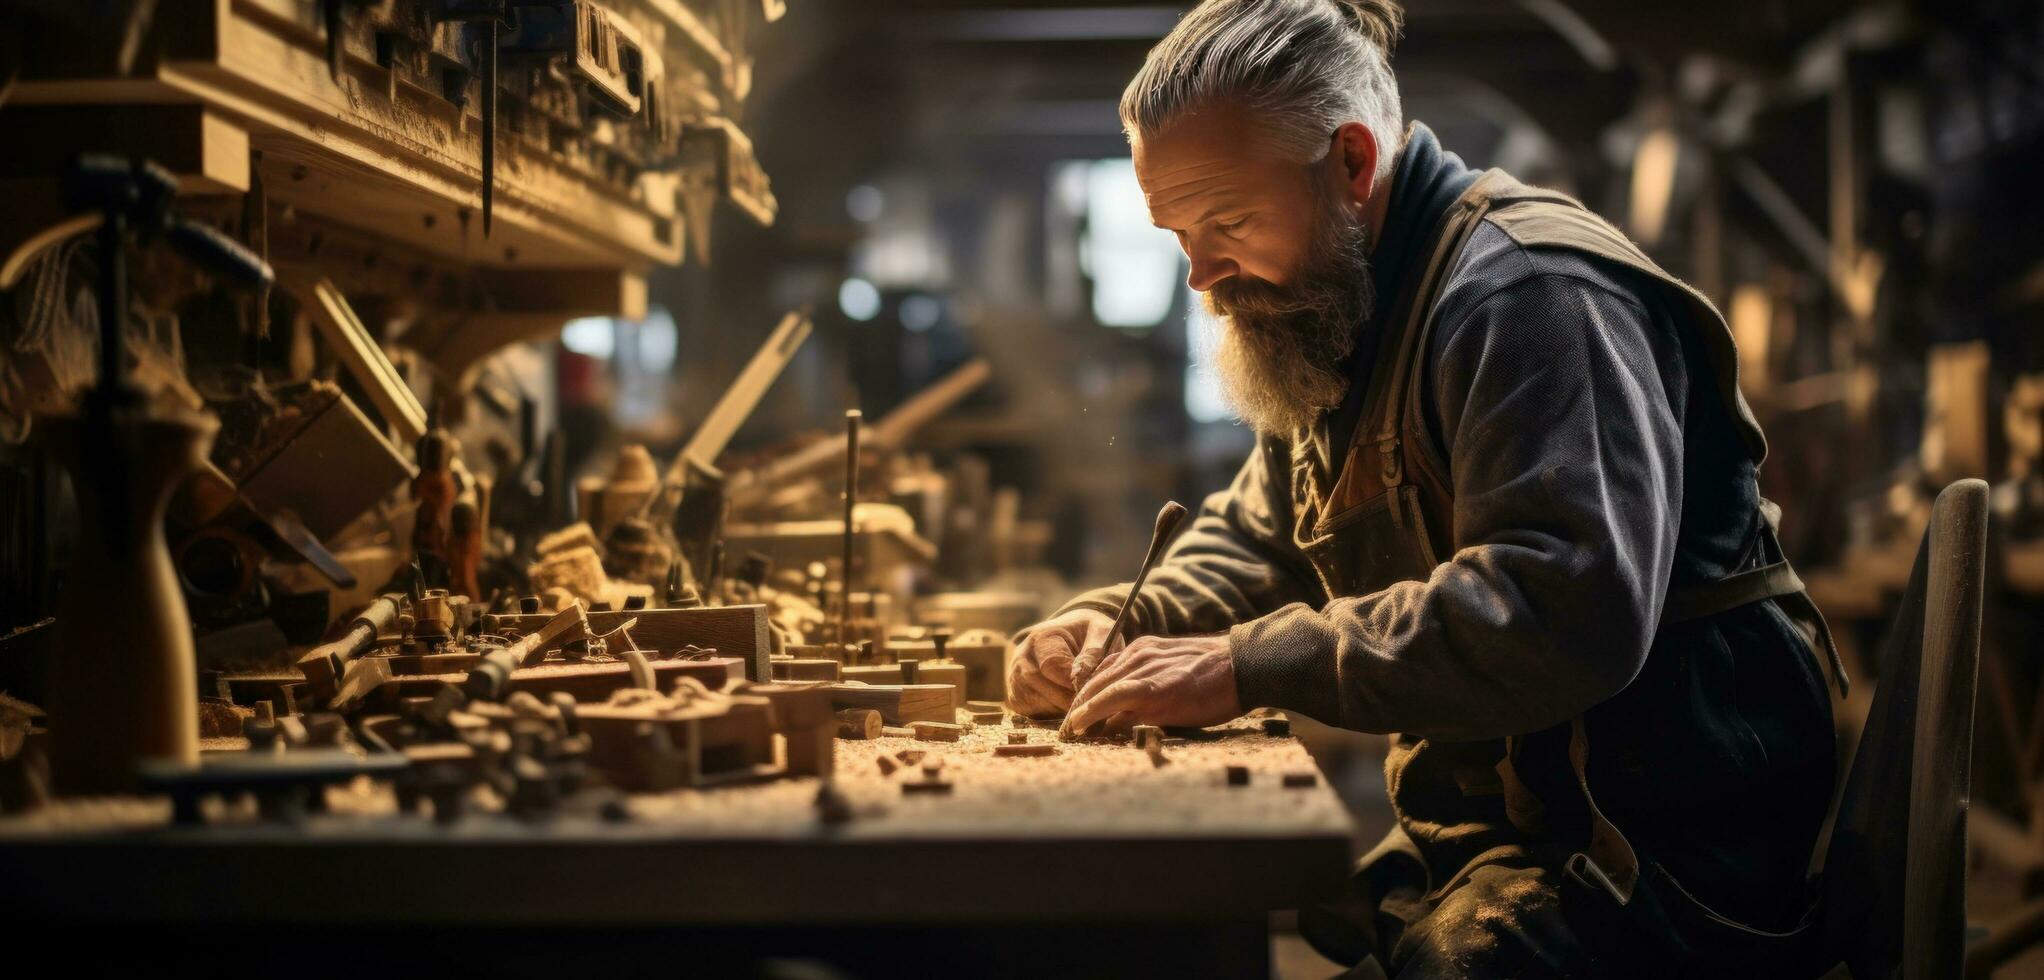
1005	83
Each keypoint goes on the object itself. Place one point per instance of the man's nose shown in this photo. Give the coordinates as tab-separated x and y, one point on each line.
1208	269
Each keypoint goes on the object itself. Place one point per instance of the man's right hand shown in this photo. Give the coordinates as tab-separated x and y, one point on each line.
1040	674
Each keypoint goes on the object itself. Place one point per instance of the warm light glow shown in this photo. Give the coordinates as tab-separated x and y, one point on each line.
1653	184
1752	321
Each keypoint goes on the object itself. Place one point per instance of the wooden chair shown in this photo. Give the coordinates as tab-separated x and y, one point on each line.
1895	872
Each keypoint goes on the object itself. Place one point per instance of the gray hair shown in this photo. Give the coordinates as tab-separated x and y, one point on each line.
1307	67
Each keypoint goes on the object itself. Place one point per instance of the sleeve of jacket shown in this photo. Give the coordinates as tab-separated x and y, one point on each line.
1234	563
1566	456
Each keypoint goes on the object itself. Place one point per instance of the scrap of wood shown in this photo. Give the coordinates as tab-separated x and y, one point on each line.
937	731
1026	750
858	723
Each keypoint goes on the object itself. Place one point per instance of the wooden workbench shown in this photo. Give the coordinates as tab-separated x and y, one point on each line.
1093	856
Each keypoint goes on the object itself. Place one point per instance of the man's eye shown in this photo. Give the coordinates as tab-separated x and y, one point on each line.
1230	227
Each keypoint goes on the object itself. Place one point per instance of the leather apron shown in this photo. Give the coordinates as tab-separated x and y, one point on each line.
1390	515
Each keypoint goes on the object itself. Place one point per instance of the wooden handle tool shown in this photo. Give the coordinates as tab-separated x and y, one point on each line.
1168	519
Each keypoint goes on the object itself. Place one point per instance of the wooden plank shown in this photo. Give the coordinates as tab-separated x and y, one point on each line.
589	681
744	394
927	672
568	292
357	350
734	631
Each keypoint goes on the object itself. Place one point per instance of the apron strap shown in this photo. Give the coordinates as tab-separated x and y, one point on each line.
1775	580
1608	864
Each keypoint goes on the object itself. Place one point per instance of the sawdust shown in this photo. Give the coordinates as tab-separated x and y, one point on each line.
1088	789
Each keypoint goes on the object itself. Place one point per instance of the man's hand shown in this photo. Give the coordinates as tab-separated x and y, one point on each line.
1184	681
1040	676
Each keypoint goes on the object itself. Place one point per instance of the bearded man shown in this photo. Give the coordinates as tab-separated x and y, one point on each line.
1503	503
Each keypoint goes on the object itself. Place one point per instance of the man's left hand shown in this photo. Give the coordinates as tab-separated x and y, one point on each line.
1182	681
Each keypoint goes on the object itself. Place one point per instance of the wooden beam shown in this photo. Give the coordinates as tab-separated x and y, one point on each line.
208	154
529	304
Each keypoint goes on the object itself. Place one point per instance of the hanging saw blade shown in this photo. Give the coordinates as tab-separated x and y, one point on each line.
490	28
333	11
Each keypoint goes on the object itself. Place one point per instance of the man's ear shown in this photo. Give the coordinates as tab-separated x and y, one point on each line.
1356	147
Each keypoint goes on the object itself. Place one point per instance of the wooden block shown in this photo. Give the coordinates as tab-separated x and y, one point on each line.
986	664
898	704
812	751
1148	735
806	669
1238	775
889	674
860	724
335	467
1025	750
932	787
938	731
796	705
1301	780
1017	737
939	672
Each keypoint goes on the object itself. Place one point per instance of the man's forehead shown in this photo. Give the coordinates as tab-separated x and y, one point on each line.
1198	157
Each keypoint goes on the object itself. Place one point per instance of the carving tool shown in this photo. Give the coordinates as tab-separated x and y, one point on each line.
1168	519
324	665
844	620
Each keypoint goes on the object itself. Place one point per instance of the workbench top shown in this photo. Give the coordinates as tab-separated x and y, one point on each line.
1006	842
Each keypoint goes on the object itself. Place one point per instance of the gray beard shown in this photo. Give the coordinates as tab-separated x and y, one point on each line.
1280	347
